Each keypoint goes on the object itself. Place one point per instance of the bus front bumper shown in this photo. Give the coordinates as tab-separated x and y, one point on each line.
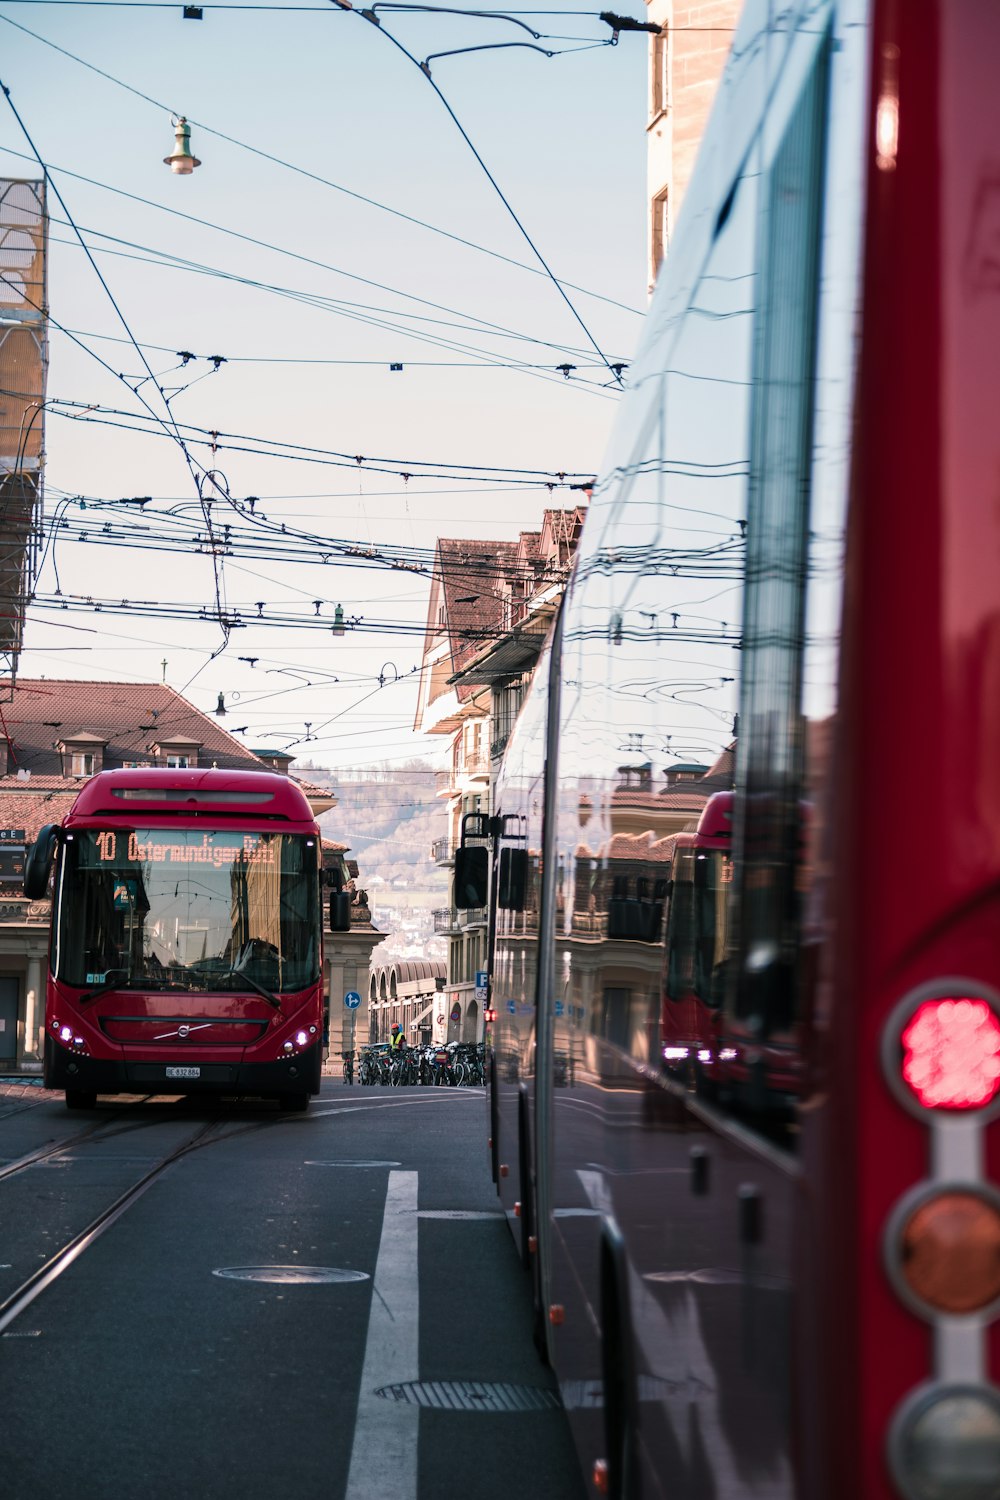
66	1069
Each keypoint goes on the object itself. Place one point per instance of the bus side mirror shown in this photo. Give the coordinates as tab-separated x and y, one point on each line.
38	865
472	876
340	911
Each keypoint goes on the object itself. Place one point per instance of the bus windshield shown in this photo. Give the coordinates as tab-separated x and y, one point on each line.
184	908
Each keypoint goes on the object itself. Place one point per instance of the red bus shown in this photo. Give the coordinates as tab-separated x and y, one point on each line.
186	942
741	1302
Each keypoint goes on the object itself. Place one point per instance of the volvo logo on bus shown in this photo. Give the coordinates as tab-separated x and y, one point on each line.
183	1031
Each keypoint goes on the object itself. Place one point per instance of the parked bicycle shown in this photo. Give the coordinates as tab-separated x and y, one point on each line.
448	1065
348	1067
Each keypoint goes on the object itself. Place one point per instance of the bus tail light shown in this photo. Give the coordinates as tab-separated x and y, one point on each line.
943	1250
951	1053
946	1441
941	1051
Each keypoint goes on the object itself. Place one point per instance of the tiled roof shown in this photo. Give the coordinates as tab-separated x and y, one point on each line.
471	573
30	810
131	717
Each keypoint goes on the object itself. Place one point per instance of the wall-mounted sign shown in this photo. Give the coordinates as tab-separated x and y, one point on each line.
456	1012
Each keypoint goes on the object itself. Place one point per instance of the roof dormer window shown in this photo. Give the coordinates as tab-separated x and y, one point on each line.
177	753
81	754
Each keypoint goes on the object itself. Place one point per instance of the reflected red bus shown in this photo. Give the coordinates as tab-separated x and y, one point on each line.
694	966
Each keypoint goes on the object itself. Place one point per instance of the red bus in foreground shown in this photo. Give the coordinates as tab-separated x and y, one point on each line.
788	1287
186	943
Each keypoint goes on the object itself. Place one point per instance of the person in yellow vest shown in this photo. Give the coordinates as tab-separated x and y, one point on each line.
397	1041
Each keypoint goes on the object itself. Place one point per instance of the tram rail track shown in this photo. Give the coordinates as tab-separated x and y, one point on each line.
23	1296
102	1130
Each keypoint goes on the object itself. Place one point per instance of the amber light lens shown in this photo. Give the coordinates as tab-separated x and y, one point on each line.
950	1252
951	1054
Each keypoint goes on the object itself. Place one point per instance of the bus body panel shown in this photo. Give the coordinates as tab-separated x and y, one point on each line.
821	365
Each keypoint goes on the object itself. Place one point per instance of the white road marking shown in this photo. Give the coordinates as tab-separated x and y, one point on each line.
384	1455
355	1109
460	1213
354	1163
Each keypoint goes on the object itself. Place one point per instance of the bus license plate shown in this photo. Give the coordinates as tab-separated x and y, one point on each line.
183	1072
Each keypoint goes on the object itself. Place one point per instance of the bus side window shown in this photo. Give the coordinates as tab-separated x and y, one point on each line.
770	755
680	915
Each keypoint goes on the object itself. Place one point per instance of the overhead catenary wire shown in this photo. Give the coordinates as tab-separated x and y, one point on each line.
294	359
304	172
412	467
374	21
355	312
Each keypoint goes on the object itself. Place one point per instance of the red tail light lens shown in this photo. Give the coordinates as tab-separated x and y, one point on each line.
951	1054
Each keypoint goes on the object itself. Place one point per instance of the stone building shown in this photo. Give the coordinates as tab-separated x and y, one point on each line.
409	993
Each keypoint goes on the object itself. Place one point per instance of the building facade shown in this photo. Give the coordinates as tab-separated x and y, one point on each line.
491	607
686	59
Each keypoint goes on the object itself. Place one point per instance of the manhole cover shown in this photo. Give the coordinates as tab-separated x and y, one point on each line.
471	1395
290	1275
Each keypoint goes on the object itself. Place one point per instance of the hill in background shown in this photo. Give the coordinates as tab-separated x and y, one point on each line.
389	818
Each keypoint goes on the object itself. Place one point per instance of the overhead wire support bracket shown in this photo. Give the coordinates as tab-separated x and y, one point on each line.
485	47
624	23
449	10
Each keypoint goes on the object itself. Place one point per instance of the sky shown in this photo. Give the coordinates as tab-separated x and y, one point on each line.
269	292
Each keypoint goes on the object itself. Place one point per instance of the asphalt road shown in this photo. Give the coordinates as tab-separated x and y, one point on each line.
326	1305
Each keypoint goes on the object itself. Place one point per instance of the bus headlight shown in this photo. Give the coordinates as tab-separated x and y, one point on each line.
945	1442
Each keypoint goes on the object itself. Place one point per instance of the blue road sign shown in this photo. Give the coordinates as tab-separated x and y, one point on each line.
352	999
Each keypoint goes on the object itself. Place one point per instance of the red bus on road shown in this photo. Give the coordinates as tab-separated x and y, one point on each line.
186	942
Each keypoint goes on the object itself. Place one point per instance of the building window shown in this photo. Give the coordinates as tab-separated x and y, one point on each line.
178	762
659	229
82	763
659	93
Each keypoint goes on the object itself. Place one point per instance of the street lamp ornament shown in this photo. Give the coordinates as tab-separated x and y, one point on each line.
180	159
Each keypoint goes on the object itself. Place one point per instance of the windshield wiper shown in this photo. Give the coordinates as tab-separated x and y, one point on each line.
261	990
112	981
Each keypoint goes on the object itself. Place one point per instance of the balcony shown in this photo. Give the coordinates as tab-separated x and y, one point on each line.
476	916
445	921
475	763
443	851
